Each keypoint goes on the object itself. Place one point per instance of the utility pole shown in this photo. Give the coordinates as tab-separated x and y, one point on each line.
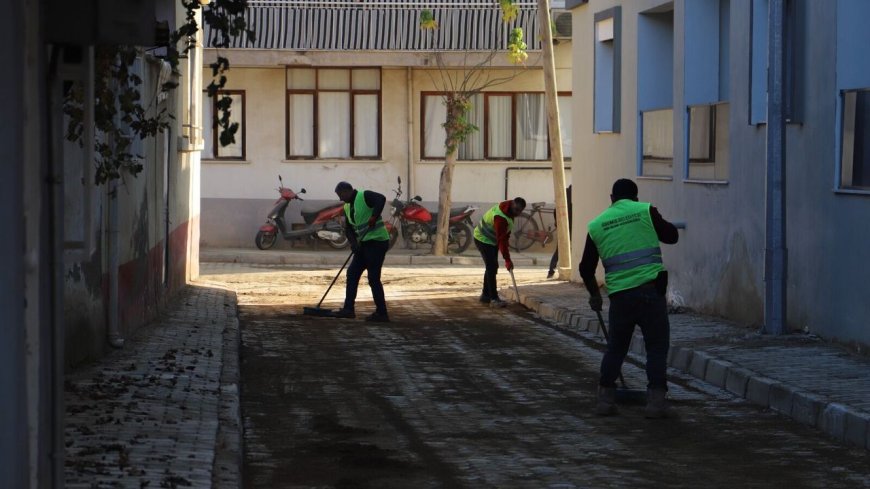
562	232
775	253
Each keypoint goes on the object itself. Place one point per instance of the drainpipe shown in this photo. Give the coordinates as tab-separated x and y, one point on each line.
410	84
113	331
776	253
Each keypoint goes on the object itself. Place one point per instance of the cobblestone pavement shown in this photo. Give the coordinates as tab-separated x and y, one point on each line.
159	411
453	394
800	376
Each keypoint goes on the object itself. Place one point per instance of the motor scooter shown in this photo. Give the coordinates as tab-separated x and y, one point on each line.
325	223
418	225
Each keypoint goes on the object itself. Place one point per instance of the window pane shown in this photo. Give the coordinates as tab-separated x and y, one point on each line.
531	127
472	147
700	126
565	123
300	124
333	79
236	149
300	79
434	113
499	126
365	124
333	121
855	163
366	79
658	142
207	127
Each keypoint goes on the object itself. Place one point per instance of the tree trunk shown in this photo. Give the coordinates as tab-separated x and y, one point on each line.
440	246
454	126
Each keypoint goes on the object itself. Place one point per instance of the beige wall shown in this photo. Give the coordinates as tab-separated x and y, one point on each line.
255	179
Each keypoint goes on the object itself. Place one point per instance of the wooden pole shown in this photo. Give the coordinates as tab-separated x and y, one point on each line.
562	231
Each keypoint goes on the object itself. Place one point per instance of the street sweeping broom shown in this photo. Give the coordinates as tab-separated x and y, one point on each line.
623	393
317	310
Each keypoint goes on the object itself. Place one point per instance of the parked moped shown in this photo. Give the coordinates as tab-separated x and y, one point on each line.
325	223
418	225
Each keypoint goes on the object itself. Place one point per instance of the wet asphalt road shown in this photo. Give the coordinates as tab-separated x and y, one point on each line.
455	395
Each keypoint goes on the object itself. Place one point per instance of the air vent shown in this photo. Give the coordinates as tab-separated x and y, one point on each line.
562	19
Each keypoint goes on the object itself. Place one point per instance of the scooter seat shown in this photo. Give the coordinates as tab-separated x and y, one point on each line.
454	211
310	214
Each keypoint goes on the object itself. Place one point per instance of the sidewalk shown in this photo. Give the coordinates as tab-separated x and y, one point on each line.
163	410
396	256
802	377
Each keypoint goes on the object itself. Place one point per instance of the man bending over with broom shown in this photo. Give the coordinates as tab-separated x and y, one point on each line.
626	237
369	241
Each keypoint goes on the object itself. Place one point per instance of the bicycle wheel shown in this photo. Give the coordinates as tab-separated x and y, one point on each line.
523	235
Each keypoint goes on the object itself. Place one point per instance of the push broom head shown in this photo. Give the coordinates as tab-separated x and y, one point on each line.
317	311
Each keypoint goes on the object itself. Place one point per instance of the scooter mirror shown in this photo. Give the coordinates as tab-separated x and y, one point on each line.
280	180
399	179
418	198
302	191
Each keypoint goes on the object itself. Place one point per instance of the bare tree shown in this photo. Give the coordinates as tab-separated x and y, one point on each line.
459	84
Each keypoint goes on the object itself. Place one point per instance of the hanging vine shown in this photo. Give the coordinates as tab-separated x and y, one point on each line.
121	114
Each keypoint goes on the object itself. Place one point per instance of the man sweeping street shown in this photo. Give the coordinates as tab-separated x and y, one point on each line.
626	237
370	241
491	236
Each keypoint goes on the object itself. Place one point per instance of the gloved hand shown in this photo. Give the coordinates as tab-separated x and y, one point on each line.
508	264
595	302
372	221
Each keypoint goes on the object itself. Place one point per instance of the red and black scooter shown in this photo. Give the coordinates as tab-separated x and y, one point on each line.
418	224
326	223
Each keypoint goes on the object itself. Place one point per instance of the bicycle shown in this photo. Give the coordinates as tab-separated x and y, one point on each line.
527	232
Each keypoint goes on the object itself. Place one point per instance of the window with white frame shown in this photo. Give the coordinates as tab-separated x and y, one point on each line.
855	143
511	126
333	113
212	147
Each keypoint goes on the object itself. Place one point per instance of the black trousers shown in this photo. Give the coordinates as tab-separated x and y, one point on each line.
641	306
370	257
490	260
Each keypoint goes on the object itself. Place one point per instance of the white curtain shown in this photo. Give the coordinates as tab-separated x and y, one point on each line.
472	148
237	108
499	127
333	114
365	125
565	123
300	130
531	127
434	135
658	134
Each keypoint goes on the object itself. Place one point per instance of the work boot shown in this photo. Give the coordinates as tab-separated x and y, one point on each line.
344	313
657	403
485	300
606	401
498	303
378	317
551	273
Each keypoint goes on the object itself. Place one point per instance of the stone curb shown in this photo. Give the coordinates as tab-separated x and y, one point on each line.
842	422
228	458
307	258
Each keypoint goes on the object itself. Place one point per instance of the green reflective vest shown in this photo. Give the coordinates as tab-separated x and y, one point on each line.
485	230
360	220
627	244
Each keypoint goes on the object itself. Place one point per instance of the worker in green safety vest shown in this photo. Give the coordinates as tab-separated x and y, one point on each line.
626	237
491	236
370	241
